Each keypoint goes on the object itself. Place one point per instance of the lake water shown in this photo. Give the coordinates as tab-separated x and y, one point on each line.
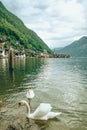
60	82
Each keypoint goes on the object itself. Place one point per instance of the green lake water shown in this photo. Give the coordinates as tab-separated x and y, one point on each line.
60	82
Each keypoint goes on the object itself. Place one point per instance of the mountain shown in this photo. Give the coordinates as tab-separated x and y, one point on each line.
57	49
76	49
13	30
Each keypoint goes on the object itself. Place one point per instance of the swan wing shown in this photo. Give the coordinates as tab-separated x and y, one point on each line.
51	115
42	110
27	95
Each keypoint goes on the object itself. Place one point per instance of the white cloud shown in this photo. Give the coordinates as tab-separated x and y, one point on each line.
57	22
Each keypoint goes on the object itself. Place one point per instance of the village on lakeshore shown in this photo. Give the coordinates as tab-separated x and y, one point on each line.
22	53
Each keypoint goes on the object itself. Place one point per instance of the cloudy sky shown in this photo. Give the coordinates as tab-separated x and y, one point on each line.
57	22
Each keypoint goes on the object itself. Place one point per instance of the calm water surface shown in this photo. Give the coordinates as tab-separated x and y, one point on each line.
61	82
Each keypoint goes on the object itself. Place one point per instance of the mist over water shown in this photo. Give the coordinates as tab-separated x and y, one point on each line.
60	82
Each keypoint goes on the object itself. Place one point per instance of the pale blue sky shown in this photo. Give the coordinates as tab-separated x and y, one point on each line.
57	22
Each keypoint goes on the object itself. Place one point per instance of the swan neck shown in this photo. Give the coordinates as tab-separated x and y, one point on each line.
28	107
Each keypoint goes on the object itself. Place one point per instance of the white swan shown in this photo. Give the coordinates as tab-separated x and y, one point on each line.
30	93
43	112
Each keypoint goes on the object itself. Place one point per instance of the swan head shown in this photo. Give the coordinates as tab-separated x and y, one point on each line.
23	102
29	88
20	103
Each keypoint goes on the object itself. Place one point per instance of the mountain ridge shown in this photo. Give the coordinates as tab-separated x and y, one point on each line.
77	48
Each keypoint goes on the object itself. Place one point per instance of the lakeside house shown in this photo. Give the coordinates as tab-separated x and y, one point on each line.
3	51
19	54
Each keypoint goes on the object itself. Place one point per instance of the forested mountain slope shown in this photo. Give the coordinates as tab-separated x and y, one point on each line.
13	30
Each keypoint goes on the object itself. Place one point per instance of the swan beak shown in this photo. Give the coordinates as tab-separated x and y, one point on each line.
19	104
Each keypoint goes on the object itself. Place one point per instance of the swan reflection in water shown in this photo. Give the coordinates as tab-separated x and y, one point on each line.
43	111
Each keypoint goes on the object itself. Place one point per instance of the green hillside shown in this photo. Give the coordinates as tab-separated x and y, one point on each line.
77	48
13	30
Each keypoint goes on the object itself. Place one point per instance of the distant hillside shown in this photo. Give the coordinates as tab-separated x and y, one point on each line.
76	49
14	31
57	49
